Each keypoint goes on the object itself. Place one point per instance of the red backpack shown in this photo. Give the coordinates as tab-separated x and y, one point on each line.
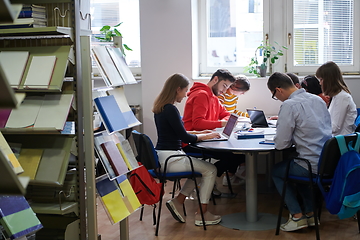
147	190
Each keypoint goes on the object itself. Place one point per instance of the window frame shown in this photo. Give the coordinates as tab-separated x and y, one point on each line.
304	70
275	14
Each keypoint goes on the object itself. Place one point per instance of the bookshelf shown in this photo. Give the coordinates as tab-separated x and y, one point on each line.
74	208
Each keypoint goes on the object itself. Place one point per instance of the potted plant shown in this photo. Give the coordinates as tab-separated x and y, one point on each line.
112	34
269	55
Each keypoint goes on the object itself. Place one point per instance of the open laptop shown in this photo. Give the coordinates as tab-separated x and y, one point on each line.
258	119
229	127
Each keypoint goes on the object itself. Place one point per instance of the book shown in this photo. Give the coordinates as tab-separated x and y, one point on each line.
8	153
114	157
17	217
115	202
25	115
120	64
110	113
128	154
14	64
106	66
29	160
130	199
252	133
52	162
98	139
119	95
54	111
4	116
40	72
269	139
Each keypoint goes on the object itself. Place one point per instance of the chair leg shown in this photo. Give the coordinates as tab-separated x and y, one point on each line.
229	182
159	211
141	212
201	211
281	208
315	211
358	219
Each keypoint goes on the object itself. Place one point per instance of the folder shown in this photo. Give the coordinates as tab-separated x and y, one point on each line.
29	160
14	64
16	216
110	113
128	154
114	157
40	72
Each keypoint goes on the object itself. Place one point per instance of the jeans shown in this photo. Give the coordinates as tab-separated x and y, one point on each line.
182	164
292	189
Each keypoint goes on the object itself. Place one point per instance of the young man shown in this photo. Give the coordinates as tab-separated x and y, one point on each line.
304	122
204	111
229	100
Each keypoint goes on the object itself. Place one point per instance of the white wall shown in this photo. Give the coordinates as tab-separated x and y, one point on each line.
166	48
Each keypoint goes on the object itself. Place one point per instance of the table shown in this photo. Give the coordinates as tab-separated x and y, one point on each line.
251	148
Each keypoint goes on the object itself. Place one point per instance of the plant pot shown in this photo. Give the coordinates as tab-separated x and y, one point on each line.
262	70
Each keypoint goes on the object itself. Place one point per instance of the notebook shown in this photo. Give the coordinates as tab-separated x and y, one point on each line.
229	127
258	119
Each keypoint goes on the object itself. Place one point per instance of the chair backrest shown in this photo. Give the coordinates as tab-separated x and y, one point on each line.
146	151
330	156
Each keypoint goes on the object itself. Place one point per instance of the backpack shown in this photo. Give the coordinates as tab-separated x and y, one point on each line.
147	190
343	198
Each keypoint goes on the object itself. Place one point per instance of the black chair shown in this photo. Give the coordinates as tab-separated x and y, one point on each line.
328	161
148	157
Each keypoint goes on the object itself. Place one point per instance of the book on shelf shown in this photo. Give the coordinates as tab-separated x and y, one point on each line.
14	64
47	112
130	198
17	217
114	157
29	160
120	64
100	138
119	95
269	139
52	162
4	116
110	113
106	66
117	204
9	154
40	71
128	154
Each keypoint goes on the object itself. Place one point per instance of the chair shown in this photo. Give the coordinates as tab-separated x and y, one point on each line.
328	161
148	157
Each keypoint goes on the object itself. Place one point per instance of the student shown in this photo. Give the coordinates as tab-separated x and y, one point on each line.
304	122
312	85
341	107
171	133
203	110
229	100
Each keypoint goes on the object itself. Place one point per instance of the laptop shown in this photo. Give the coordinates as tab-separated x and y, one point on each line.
258	119
228	129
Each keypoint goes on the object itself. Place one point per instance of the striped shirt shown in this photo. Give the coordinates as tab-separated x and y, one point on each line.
229	101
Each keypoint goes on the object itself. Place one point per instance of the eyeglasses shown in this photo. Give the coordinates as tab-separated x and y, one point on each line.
273	96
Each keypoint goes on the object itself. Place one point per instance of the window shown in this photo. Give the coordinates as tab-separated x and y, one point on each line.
322	31
315	31
112	12
234	28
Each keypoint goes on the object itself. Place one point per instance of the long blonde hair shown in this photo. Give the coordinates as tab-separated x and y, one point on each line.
169	91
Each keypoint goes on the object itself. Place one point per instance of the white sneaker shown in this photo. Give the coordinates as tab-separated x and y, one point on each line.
210	219
176	209
294	224
216	192
235	181
240	172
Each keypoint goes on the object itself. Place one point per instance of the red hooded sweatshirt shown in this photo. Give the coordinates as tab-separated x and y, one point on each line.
203	109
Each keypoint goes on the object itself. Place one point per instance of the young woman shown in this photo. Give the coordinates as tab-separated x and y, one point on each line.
312	85
341	107
171	133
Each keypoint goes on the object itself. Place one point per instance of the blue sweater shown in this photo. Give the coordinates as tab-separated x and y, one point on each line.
170	129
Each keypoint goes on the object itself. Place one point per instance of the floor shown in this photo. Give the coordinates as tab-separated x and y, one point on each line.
268	202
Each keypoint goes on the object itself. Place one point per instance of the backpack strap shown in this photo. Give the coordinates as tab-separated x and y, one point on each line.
342	144
357	144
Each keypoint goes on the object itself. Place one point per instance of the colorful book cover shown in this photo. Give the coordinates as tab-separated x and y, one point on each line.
128	154
110	113
29	160
8	153
130	198
114	157
112	199
16	216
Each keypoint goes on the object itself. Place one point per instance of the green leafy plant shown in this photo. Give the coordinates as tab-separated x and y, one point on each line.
269	54
109	33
